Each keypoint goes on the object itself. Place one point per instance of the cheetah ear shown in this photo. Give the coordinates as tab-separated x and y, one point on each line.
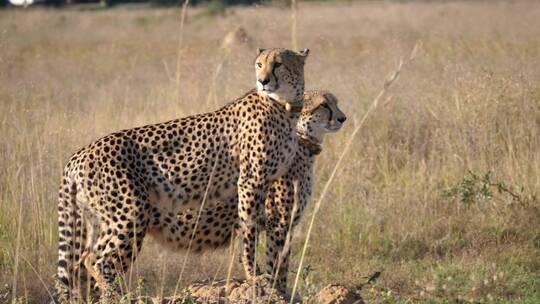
304	53
260	50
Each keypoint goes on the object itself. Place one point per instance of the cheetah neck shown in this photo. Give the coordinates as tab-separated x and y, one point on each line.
293	106
311	143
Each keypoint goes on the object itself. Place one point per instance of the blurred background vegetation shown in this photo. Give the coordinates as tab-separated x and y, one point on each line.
62	3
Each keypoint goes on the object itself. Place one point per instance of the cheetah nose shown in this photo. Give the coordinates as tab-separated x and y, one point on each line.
264	81
342	119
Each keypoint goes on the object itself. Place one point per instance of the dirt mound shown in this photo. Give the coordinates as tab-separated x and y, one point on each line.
237	292
335	294
242	292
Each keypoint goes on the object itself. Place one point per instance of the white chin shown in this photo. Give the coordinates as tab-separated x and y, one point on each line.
333	128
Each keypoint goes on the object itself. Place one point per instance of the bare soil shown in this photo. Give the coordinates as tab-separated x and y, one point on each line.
237	291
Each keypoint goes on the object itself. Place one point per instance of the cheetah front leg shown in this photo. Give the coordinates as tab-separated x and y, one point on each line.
304	189
250	201
282	217
89	261
277	254
279	206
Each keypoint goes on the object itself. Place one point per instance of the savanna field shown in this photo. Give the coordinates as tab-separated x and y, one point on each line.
440	191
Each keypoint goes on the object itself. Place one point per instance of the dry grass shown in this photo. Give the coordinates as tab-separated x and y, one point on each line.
470	101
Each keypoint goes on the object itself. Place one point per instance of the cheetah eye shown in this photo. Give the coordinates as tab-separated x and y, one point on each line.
259	64
326	107
277	64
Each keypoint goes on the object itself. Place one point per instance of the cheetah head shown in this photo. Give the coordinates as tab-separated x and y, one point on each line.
280	75
320	115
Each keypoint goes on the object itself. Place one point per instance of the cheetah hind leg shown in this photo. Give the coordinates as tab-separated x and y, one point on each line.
112	264
118	245
107	291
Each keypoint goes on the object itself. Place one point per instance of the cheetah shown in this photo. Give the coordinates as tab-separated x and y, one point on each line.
111	189
218	221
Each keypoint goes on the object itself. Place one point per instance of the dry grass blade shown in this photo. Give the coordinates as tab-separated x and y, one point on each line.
17	253
40	278
372	107
212	92
231	263
180	44
294	10
201	209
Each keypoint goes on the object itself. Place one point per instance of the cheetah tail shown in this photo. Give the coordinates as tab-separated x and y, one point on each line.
67	221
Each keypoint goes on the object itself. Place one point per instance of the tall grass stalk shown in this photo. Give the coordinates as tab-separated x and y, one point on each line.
217	71
372	107
179	48
201	209
231	263
17	253
40	278
294	10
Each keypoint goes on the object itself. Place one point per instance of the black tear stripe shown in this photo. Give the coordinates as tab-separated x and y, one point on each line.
329	109
274	74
